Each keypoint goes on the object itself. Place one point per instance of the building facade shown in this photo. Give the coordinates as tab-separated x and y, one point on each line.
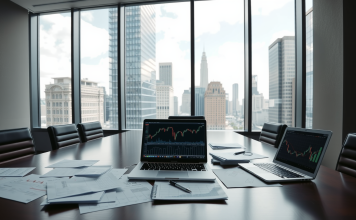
235	98
185	108
204	79
166	73
199	100
281	74
176	105
112	98
165	100
215	106
59	102
309	69
140	64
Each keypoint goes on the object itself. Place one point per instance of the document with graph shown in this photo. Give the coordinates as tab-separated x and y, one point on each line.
162	190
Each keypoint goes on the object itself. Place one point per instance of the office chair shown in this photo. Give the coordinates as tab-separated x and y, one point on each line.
272	133
63	135
347	158
186	117
16	144
90	131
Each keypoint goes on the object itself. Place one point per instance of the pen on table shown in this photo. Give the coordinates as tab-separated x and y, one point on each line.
240	152
179	186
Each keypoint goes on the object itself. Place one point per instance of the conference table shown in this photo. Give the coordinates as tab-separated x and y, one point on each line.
332	195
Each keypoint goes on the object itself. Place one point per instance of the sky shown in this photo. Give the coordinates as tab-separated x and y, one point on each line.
218	30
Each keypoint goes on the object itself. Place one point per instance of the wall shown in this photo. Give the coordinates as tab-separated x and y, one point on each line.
14	67
334	46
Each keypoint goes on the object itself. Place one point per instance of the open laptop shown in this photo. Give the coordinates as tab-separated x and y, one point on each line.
173	150
298	157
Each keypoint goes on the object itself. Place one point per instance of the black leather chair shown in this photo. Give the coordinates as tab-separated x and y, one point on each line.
272	133
90	131
63	135
16	144
347	158
186	117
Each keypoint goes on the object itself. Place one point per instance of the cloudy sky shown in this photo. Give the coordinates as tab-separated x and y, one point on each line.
218	30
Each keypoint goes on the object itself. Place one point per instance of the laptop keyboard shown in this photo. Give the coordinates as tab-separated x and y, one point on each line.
276	170
173	166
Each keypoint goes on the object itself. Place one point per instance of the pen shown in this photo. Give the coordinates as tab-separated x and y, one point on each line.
241	152
179	186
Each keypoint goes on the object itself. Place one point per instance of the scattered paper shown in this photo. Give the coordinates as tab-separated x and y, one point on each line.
109	196
15	171
86	198
63	172
237	177
26	189
73	163
118	172
93	171
220	146
129	193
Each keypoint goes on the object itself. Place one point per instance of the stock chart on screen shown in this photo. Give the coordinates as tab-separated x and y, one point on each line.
302	149
174	140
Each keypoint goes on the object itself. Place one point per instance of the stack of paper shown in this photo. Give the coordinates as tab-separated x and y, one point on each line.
219	146
229	158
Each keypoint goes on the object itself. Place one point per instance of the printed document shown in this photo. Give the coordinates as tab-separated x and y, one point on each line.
86	198
162	190
15	171
93	171
129	193
73	163
26	189
63	172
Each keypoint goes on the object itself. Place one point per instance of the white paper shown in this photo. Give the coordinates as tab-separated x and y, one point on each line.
162	190
26	189
81	185
229	156
86	198
109	196
63	172
118	172
220	146
93	171
129	193
73	163
8	179
15	171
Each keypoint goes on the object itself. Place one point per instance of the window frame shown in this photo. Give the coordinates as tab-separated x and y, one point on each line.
300	55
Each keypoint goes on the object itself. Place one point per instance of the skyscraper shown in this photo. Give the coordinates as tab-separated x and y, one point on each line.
204	80
165	100
235	98
140	59
113	89
185	109
215	106
309	69
165	73
199	100
281	74
176	105
227	103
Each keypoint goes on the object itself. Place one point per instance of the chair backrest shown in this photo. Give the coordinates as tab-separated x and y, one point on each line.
89	131
272	133
63	135
186	117
16	144
347	158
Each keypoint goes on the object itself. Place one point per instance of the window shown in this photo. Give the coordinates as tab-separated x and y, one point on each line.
309	64
219	62
55	60
273	63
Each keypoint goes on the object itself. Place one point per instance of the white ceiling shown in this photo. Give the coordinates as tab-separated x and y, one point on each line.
38	6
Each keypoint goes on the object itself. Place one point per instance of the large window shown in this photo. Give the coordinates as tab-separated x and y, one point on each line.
99	67
273	62
55	69
157	62
219	63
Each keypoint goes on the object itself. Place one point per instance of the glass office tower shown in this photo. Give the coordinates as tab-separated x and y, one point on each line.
140	64
309	69
112	99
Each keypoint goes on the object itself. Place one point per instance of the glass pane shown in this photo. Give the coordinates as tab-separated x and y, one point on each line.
219	63
309	64
99	67
157	62
273	63
55	69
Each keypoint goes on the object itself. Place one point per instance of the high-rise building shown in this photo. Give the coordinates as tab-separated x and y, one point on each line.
176	105
165	101
59	101
259	107
166	73
112	102
227	103
204	79
309	69
281	74
140	64
235	98
215	106
199	100
185	108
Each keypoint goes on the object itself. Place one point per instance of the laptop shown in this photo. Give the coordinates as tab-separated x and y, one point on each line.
298	157
173	150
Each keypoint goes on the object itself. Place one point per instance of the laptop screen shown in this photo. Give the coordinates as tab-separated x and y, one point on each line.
175	140
302	149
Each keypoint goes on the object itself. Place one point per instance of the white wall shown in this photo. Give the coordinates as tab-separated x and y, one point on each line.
14	66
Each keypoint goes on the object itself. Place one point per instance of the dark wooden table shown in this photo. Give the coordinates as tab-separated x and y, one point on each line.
332	195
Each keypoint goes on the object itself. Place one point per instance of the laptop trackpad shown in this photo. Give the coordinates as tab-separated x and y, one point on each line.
172	174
